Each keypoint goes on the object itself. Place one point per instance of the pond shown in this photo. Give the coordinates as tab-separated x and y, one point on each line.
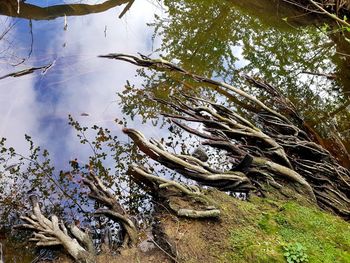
219	39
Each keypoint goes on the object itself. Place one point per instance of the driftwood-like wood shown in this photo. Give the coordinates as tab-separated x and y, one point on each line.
191	167
76	242
271	145
49	233
274	146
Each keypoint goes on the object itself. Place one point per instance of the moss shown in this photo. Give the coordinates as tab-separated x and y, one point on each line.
258	231
269	225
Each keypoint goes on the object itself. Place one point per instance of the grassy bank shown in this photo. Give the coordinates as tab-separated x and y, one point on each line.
266	231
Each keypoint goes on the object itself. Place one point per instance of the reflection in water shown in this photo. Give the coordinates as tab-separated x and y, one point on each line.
219	39
78	82
223	40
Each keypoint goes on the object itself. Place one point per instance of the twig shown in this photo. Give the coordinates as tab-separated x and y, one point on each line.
333	16
127	7
328	76
27	71
175	260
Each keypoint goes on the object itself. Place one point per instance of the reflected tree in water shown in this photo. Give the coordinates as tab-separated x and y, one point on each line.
22	9
63	192
222	40
269	146
15	13
210	39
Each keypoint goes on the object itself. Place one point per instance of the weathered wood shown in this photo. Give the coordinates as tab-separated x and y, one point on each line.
284	150
156	184
50	233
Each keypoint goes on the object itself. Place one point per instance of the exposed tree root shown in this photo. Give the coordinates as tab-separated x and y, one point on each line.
269	146
114	211
51	233
275	146
184	195
75	241
191	167
183	200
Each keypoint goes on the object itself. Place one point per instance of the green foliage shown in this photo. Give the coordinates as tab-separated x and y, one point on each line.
342	29
61	191
295	253
21	175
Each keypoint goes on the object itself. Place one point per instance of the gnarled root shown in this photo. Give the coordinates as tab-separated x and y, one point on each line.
114	211
238	179
52	232
191	167
176	195
281	147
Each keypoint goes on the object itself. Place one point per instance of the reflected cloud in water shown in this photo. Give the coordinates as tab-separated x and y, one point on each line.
78	82
217	40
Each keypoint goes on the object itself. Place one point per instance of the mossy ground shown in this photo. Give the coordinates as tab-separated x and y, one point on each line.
260	229
250	231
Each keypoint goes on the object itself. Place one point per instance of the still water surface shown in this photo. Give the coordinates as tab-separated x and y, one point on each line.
219	39
77	83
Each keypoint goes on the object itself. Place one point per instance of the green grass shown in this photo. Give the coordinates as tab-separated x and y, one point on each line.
263	227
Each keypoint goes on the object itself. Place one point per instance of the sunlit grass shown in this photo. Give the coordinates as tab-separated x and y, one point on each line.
268	226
